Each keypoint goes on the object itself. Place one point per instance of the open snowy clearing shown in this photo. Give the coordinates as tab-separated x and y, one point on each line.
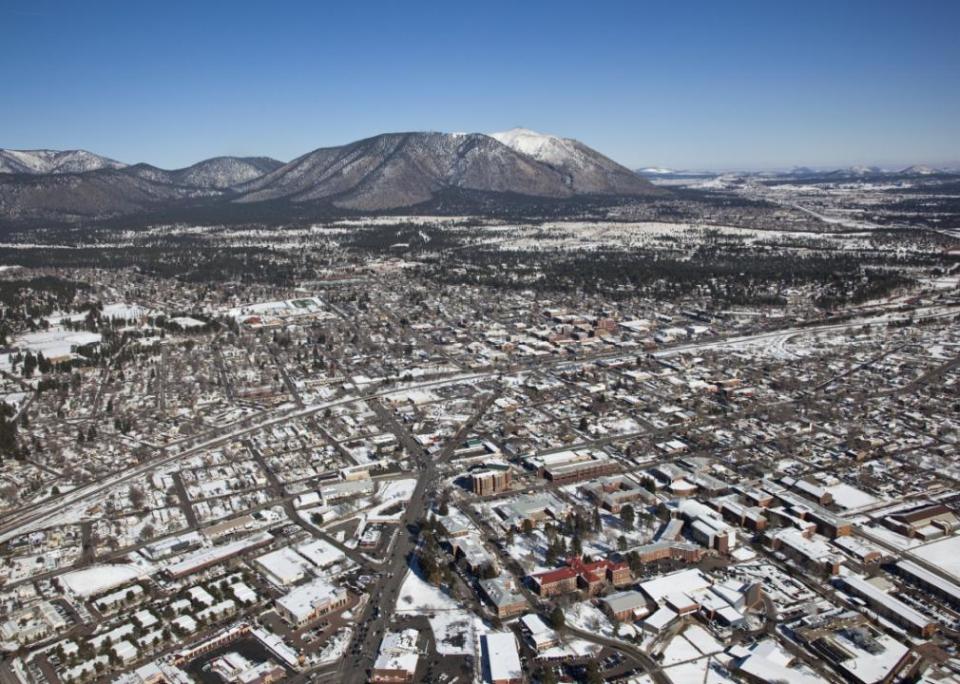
418	597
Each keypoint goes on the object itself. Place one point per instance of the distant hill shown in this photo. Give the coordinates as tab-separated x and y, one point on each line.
72	197
218	172
54	161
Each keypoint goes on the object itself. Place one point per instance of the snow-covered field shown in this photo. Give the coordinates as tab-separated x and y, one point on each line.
529	551
419	597
57	342
591	235
398	490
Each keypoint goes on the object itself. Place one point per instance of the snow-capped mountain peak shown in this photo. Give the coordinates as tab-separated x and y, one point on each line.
654	171
863	170
542	147
920	170
585	169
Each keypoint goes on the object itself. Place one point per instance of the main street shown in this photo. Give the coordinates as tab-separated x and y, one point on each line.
376	615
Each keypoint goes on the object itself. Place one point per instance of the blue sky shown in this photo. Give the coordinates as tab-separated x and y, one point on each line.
699	85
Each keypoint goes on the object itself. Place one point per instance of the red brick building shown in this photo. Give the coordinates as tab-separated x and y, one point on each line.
591	578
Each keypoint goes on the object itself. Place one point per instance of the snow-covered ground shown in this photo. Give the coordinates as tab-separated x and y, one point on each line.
574	648
589	618
419	597
57	342
398	490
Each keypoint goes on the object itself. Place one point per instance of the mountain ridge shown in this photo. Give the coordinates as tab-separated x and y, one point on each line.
379	173
46	161
216	172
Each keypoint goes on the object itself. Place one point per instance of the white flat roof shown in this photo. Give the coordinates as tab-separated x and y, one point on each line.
320	552
284	565
928	577
534	623
686	581
197	559
660	619
503	660
398	651
871	593
302	601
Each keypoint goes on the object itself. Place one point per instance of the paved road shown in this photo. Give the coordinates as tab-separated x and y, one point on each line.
291	387
185	504
222	372
651	667
87	551
47	513
384	594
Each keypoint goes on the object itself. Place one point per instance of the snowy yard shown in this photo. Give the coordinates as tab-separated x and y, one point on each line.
589	618
418	597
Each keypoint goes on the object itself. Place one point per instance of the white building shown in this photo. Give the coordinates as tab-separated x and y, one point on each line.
398	657
282	567
501	660
309	601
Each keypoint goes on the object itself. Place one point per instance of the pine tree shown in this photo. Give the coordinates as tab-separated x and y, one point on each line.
557	618
628	517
